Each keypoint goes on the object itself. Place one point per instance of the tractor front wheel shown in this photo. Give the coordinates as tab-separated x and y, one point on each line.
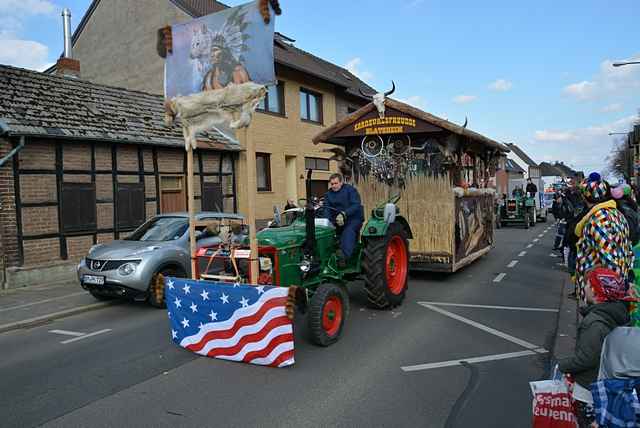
386	267
328	311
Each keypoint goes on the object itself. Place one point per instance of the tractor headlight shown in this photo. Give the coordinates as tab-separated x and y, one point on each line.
127	268
305	266
265	264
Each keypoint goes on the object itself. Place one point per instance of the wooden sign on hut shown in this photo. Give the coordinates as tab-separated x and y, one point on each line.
444	172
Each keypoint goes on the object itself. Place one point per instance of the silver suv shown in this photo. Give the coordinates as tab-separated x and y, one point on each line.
127	268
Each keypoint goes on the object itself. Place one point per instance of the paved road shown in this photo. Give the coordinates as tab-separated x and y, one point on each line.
394	368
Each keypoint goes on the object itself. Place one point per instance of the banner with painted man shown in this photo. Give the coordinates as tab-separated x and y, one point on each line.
219	64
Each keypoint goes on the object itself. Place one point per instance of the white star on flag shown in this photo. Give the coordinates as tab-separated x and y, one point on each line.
205	295
194	307
200	326
224	298
177	303
174	334
185	323
186	289
260	289
170	285
244	302
213	315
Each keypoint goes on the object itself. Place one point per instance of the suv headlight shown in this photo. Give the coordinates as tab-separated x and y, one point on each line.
127	268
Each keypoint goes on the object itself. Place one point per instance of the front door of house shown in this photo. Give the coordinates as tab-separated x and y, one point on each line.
172	194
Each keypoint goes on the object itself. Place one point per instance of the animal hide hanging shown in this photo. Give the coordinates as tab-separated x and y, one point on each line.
203	111
264	9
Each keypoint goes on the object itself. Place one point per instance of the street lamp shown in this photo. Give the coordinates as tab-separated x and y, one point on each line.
622	63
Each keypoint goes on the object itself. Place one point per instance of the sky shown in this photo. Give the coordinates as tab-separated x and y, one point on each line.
537	74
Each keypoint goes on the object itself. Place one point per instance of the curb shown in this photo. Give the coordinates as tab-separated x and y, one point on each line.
565	340
32	322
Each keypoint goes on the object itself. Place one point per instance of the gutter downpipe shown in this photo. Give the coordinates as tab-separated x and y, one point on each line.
4	131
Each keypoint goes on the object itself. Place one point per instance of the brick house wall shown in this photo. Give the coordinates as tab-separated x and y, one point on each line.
117	45
30	226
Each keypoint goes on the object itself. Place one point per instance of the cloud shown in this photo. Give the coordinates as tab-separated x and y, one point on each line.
25	54
609	81
553	136
29	7
14	48
353	67
584	148
464	99
611	108
501	85
582	91
416	101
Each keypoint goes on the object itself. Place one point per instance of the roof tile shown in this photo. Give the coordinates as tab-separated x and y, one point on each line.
81	109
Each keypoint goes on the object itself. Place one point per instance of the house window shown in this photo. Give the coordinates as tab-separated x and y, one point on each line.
273	102
310	106
131	211
263	165
212	198
317	164
79	207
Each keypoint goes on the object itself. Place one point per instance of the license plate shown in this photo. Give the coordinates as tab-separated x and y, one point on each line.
93	279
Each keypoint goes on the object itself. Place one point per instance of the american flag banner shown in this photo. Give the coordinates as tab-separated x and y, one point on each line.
231	322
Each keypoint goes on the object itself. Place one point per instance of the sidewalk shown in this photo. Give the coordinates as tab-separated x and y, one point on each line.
23	307
565	339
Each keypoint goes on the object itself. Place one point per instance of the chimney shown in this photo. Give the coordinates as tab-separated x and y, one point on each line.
66	65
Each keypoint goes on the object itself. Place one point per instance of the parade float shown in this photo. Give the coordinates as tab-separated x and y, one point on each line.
445	174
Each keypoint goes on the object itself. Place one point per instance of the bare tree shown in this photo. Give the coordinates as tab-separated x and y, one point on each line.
619	161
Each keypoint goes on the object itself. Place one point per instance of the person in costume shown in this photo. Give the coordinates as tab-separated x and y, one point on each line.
603	235
342	206
606	296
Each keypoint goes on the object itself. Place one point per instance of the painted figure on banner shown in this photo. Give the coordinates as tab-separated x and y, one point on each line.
218	68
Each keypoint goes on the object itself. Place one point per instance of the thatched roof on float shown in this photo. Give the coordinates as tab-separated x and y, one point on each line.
327	136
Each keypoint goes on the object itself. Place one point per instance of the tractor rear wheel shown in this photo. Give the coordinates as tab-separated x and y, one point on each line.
386	267
328	311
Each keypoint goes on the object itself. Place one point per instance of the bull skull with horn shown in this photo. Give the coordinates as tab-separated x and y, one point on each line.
378	99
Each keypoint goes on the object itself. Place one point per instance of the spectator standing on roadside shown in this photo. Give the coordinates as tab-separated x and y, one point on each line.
605	292
603	234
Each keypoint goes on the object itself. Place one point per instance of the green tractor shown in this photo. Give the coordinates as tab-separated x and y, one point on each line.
299	249
520	208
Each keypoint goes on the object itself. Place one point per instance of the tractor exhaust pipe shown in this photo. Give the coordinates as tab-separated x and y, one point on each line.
310	221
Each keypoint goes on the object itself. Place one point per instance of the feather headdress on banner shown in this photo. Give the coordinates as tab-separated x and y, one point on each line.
232	35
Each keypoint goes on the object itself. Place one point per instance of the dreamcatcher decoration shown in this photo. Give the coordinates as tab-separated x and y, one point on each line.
389	163
433	157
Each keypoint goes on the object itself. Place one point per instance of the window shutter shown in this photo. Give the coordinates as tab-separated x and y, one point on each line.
79	207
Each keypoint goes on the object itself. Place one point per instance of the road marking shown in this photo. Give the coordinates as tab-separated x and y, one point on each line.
541	235
530	245
553	255
499	277
522	254
473	360
95	333
536	240
482	327
512	264
67	333
508	308
26	305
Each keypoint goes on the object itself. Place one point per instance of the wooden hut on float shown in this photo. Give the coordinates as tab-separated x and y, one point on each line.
444	172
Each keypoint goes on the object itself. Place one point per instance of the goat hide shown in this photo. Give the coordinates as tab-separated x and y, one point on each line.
203	111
